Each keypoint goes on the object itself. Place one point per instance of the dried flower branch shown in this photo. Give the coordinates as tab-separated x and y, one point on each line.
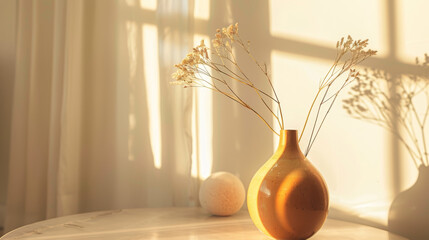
196	71
218	70
370	101
349	54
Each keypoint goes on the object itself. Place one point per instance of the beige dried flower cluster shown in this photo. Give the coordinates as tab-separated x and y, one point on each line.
187	69
225	35
192	63
218	70
390	102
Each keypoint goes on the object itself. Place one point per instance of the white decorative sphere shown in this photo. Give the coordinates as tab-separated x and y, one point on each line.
222	194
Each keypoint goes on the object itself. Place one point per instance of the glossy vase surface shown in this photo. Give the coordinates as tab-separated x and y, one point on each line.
287	197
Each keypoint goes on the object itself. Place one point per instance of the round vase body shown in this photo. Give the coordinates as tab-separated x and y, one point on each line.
287	197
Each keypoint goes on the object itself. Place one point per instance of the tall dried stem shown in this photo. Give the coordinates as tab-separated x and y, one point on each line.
349	54
224	64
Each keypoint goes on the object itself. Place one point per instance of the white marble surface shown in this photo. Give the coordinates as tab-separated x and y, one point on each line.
174	223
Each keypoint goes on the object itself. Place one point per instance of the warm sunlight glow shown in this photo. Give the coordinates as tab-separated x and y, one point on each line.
375	211
148	4
194	155
205	132
130	2
132	46
151	70
202	158
131	28
412	34
202	9
202	128
317	22
340	147
291	76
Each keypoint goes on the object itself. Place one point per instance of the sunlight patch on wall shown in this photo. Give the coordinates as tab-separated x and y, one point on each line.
295	79
413	37
376	211
148	4
202	127
131	28
319	23
151	70
194	155
202	134
338	150
130	2
202	9
132	46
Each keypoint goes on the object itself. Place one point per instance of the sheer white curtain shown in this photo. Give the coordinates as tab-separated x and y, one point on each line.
94	120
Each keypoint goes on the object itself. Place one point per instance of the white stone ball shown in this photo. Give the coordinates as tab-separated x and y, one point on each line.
222	194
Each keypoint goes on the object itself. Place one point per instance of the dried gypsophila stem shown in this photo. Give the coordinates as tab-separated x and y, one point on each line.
223	42
195	68
196	71
349	54
370	102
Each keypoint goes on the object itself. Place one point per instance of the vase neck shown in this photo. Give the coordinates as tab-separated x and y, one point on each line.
423	177
289	143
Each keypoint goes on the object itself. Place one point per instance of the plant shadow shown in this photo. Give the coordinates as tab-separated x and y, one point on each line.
409	211
399	103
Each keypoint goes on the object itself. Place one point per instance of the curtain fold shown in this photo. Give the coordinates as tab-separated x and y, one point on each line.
85	133
26	196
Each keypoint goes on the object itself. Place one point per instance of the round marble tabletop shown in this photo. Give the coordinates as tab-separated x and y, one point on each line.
174	223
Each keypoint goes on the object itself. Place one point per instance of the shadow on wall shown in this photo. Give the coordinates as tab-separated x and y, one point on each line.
384	99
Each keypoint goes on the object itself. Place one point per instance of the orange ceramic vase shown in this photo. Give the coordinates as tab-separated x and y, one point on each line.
287	197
